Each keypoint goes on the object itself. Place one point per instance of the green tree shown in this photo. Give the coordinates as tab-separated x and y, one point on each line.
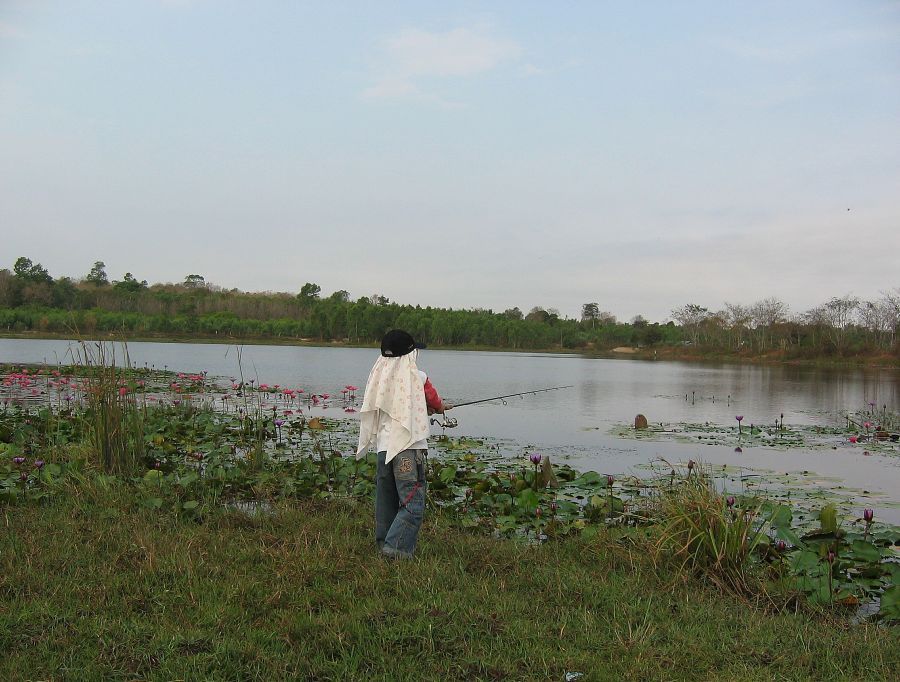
513	313
340	296
309	292
129	284
194	281
97	275
64	293
30	272
590	311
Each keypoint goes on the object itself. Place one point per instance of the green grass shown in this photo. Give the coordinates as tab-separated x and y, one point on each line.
93	587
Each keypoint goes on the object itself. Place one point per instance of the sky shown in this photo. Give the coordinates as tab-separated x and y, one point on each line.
468	154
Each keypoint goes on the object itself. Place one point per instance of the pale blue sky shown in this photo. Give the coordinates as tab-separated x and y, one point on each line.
641	155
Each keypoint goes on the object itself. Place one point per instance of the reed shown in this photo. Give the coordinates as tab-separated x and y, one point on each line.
705	531
114	416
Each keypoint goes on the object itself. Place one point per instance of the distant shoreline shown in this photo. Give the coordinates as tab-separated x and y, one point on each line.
668	353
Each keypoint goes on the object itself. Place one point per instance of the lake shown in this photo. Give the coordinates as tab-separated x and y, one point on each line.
580	424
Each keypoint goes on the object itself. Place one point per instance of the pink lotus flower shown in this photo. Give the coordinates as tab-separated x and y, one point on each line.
853	439
868	515
535	458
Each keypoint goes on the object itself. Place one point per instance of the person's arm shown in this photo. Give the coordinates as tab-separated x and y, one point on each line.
432	400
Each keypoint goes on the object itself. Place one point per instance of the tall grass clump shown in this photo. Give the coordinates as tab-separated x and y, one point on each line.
704	531
115	419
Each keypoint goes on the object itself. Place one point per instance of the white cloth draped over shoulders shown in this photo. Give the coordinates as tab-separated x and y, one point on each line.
395	392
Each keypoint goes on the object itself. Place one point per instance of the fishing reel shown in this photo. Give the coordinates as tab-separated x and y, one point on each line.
448	423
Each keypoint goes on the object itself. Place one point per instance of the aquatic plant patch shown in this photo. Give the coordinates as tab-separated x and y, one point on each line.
782	437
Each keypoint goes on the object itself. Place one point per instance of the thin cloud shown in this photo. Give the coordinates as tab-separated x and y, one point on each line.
414	55
532	70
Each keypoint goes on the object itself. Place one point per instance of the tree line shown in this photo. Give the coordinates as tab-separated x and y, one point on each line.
33	300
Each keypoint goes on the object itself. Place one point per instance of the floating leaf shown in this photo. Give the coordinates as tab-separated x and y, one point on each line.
865	551
890	603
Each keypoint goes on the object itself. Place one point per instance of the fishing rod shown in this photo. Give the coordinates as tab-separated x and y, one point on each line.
450	422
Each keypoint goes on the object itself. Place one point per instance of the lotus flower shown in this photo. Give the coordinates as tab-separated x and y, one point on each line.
730	501
535	458
868	515
781	545
39	464
610	479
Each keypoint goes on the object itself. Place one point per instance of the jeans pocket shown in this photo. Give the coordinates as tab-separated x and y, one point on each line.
405	468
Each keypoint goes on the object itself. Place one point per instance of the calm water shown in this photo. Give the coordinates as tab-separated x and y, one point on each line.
575	423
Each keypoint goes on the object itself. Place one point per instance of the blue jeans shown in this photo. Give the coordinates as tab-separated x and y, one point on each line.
399	502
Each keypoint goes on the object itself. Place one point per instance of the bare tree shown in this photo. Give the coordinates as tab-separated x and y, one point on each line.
690	317
838	314
737	318
764	315
881	318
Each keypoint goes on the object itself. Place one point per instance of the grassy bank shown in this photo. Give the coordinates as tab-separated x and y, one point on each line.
94	587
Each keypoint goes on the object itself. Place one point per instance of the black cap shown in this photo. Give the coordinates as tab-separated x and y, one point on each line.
398	342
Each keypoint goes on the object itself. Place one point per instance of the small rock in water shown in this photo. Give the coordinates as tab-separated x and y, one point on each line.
640	422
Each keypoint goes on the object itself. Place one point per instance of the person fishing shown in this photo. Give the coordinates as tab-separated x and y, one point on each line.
397	402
